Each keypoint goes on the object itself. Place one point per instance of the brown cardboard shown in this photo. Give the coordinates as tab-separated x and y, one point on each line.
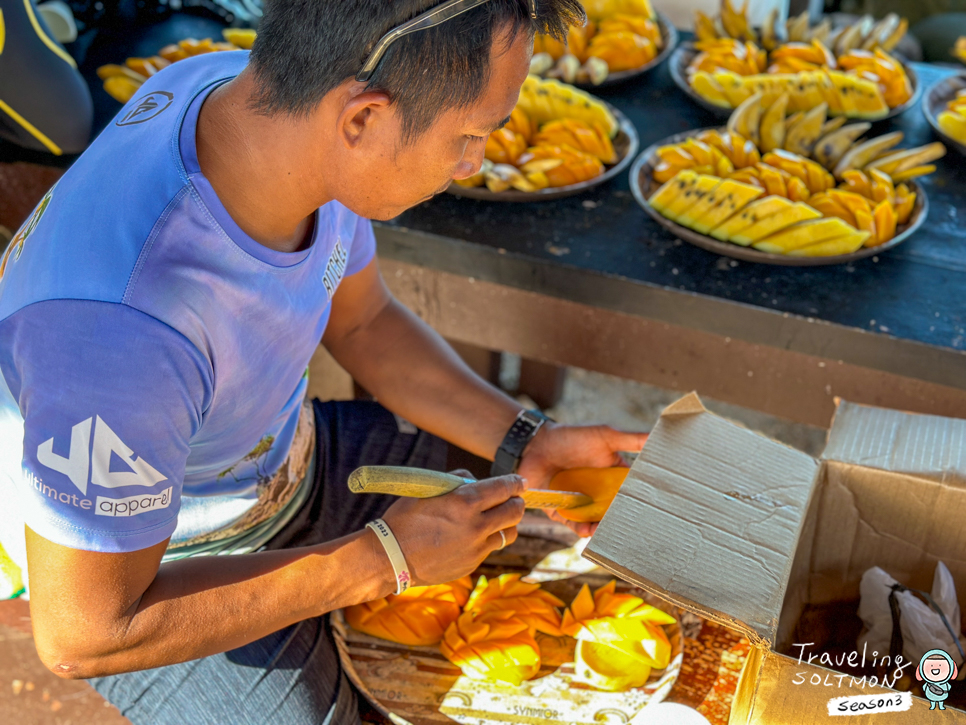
740	528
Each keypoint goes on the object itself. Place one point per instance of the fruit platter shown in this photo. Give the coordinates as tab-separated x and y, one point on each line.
559	141
491	647
944	106
777	190
621	39
852	72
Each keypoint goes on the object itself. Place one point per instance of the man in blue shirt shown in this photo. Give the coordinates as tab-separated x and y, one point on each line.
157	313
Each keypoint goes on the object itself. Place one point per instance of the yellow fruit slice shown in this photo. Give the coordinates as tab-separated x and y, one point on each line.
953	124
861	98
672	190
733	86
699	209
773	125
804	234
751	214
732	197
798	212
691	196
845	244
608	668
601	484
709	89
244	38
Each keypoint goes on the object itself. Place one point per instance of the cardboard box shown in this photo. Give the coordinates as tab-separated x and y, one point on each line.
763	538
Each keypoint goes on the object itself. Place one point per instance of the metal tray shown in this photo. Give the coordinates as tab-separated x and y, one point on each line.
670	35
626	144
934	102
685	53
643	184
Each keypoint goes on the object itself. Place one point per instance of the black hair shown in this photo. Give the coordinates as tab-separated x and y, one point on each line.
306	48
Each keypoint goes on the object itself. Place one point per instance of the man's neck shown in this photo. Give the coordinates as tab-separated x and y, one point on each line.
259	167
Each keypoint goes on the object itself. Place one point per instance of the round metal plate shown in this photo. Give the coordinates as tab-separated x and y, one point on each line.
643	185
626	144
682	57
934	102
670	36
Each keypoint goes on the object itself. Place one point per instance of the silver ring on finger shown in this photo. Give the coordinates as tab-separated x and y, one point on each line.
503	537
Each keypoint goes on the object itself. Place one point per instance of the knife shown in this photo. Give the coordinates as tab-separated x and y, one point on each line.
420	483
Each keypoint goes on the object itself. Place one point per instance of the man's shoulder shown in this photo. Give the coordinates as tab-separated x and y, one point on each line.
86	237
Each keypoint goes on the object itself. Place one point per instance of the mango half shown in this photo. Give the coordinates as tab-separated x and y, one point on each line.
601	484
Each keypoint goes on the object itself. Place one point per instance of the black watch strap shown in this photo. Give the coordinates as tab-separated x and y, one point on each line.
522	431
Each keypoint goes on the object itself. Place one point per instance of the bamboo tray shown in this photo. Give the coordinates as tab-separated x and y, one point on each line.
418	686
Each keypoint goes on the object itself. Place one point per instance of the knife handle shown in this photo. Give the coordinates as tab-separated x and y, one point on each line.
401	481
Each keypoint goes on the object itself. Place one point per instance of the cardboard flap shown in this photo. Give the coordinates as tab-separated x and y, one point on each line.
925	446
709	518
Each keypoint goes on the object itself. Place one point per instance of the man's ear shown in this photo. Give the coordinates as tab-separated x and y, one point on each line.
361	114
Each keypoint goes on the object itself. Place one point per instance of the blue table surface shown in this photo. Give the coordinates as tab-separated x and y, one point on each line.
914	292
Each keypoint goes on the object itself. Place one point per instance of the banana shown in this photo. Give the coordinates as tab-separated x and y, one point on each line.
845	244
797	27
900	161
801	138
849	39
803	234
746	118
769	39
833	124
731	197
772	128
893	40
751	214
673	189
769	225
880	31
914	172
858	157
704	28
831	148
820	32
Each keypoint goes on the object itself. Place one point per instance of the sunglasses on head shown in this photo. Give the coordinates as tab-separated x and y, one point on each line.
432	17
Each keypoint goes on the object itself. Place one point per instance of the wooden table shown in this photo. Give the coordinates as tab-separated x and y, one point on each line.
593	282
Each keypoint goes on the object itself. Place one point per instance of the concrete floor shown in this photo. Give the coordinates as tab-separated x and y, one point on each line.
30	695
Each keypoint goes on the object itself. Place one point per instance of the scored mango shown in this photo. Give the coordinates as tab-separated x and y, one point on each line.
601	484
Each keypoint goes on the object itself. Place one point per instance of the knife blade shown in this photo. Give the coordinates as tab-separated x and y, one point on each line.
420	483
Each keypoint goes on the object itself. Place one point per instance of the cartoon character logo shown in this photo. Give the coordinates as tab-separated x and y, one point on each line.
16	244
936	669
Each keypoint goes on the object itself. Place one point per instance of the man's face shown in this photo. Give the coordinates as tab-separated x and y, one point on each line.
394	176
936	670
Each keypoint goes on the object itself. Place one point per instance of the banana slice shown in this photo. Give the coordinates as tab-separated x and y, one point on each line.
831	148
801	138
773	125
746	118
858	157
900	161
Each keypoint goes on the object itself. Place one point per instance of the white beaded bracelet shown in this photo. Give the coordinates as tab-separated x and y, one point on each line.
396	558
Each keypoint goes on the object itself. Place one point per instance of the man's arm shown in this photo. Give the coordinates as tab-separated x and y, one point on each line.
97	614
414	372
410	369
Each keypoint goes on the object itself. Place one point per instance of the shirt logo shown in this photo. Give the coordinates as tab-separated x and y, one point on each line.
15	248
147	107
133	505
335	268
85	462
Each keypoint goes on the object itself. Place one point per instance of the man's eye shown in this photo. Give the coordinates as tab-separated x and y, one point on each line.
475	138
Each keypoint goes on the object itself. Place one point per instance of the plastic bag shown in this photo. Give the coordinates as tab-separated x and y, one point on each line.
922	628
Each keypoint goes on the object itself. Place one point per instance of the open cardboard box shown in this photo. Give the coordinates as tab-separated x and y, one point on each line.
763	538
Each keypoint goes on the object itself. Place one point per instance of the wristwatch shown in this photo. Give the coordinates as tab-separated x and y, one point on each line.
522	431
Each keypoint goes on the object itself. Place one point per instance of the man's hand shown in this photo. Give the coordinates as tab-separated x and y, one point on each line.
446	537
558	447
